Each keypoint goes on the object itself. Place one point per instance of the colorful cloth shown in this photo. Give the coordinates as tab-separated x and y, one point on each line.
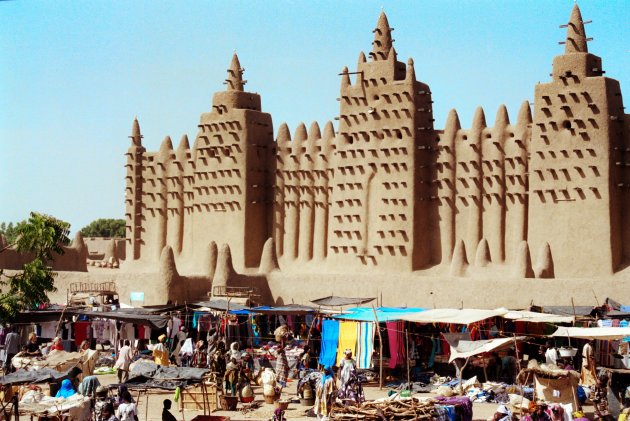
66	390
325	393
365	344
282	368
396	344
160	355
330	339
347	339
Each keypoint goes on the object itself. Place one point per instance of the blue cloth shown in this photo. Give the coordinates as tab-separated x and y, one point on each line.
66	390
328	374
330	340
384	314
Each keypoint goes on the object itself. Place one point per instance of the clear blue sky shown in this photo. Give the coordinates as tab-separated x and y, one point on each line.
75	73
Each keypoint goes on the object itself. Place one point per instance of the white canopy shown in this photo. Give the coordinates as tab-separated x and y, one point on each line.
609	333
533	317
451	315
467	348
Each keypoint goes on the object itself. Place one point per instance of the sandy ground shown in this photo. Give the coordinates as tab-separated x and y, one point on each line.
481	411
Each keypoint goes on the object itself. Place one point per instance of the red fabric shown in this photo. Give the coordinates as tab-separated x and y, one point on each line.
396	344
57	347
81	332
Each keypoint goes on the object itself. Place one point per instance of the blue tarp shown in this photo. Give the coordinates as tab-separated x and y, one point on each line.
330	339
384	314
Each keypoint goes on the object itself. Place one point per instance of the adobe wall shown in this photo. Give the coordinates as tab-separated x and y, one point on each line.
73	259
388	195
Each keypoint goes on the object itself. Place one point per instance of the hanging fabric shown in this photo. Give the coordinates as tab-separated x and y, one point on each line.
396	343
347	339
365	344
330	339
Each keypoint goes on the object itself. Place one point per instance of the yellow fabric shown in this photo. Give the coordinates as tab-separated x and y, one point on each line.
160	355
347	339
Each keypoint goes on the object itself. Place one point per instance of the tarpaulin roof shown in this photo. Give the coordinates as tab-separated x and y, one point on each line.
533	317
467	348
220	304
333	301
154	320
451	315
35	376
296	309
384	314
610	333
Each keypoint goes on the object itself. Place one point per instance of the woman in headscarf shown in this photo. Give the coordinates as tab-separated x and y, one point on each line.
346	367
325	394
57	345
282	367
160	352
66	390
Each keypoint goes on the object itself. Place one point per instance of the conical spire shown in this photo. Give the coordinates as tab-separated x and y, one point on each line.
235	80
452	122
183	143
136	136
314	132
345	77
284	135
524	114
329	131
382	38
576	36
410	76
502	119
300	133
479	119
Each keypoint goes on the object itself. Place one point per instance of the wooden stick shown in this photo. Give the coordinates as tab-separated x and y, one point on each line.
408	369
380	345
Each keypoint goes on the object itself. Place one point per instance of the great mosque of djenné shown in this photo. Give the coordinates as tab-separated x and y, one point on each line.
387	204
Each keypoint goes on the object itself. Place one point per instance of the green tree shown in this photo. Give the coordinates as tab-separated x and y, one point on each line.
41	236
10	231
114	228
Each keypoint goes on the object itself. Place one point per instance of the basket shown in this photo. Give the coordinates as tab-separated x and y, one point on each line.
307	402
228	403
282	405
567	352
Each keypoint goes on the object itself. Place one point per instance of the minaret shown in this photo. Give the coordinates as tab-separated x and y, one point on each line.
576	163
233	175
133	191
235	80
576	36
380	205
382	43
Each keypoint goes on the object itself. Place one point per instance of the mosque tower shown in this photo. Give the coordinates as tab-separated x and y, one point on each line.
577	166
380	204
234	157
133	192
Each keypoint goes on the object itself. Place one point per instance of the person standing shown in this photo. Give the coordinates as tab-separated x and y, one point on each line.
127	410
589	376
160	353
346	367
124	360
282	367
166	413
551	354
11	347
325	395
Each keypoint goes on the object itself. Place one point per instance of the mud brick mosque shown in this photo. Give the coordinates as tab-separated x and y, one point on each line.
499	214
